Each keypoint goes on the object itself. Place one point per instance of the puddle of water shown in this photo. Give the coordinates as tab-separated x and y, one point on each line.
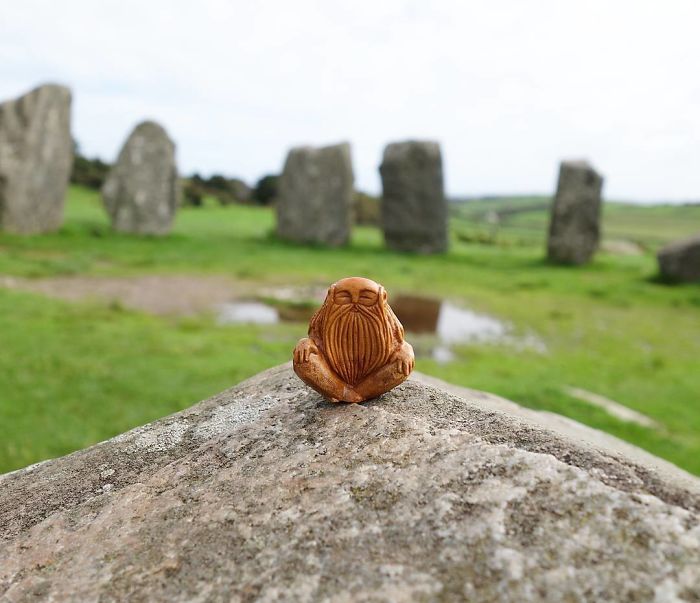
454	326
420	316
249	312
417	314
434	326
459	325
450	323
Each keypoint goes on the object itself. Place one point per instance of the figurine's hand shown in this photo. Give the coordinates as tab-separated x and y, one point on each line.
304	349
405	365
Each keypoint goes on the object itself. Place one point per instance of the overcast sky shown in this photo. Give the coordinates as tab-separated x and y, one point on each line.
509	87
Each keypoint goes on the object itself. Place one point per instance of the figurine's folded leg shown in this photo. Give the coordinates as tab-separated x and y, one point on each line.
395	372
316	373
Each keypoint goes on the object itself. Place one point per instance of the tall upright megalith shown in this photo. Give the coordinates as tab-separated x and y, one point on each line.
414	208
574	228
315	195
141	191
36	156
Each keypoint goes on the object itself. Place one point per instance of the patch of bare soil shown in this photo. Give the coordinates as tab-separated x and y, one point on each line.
157	294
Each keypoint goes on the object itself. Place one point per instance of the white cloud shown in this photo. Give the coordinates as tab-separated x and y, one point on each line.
508	87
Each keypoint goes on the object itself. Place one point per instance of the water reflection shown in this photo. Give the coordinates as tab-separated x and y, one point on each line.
453	325
435	326
247	312
417	314
450	323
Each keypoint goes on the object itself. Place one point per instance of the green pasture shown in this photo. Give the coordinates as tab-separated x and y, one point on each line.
72	374
524	221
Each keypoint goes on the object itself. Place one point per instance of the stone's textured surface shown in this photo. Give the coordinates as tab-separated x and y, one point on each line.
574	227
142	189
414	208
266	492
680	261
315	195
589	442
36	156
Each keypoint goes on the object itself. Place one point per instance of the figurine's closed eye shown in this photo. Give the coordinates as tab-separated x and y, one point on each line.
368	297
342	297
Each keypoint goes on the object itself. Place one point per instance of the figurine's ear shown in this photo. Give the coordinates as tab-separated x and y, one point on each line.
382	294
316	324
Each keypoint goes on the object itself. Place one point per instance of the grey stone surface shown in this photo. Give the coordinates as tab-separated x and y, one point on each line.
268	493
36	157
680	260
414	208
581	436
574	227
315	195
141	193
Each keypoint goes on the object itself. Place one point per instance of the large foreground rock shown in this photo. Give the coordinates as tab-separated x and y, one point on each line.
414	208
266	492
36	156
141	193
574	227
315	195
680	261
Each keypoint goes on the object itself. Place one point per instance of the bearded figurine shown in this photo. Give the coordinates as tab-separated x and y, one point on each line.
355	349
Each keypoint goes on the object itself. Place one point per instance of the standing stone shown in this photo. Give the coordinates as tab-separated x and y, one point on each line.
574	229
414	208
680	260
315	195
141	192
36	155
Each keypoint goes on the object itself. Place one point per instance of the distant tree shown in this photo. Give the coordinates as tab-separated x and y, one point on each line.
218	182
365	209
266	189
225	190
192	192
88	172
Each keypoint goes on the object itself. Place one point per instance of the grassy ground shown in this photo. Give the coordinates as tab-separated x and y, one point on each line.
648	226
73	374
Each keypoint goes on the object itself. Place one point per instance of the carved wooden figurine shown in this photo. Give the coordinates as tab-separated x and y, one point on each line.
355	349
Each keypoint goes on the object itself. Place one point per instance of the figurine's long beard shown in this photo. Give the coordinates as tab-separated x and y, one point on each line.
358	342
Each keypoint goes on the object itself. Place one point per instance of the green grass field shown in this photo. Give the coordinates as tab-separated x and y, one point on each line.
72	374
647	226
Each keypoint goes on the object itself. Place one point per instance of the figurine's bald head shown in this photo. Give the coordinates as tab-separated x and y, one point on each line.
357	290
